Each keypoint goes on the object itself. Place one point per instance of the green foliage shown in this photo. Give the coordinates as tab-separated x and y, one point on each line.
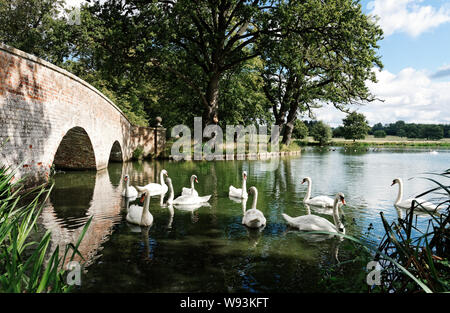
379	134
321	132
138	153
300	130
355	126
338	132
325	67
412	130
23	264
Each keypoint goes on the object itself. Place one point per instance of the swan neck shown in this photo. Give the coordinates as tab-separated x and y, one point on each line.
308	192
400	192
255	199
161	178
171	193
337	220
145	211
127	185
244	187
192	182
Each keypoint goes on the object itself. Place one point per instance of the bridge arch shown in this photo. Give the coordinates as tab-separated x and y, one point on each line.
75	151
116	154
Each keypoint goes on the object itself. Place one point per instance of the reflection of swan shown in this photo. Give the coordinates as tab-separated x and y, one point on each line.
191	208
185	200
406	204
253	218
239	192
154	188
322	201
190	191
316	223
433	152
129	191
170	207
141	215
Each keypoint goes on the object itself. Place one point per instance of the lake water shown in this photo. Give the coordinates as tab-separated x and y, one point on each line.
208	249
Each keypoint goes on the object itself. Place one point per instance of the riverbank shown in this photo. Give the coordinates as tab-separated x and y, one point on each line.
371	141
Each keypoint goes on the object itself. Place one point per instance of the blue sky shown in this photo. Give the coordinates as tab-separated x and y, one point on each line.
415	51
415	81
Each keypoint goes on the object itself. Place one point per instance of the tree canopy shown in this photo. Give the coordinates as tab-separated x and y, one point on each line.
229	61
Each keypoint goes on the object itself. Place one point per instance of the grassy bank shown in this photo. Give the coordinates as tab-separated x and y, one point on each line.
388	141
249	148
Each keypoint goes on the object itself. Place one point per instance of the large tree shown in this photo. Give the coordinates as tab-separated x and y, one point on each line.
324	53
355	126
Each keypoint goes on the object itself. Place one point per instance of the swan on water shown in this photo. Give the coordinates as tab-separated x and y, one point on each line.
323	201
253	218
240	193
141	215
186	199
190	191
312	222
129	191
406	204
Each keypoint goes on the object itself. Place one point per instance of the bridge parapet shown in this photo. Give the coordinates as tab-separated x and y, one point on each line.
49	116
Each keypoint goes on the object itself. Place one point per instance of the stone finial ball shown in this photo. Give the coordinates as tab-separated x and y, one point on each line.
158	120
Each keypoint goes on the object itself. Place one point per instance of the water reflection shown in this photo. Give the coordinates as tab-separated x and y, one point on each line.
76	197
206	248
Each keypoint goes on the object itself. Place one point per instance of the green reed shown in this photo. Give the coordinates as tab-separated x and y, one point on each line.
23	265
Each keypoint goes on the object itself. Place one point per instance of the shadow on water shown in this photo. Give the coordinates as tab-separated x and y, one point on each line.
207	248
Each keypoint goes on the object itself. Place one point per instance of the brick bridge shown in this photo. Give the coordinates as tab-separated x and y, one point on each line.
49	116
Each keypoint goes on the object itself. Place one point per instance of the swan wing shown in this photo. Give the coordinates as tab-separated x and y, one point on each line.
254	218
424	205
189	192
321	201
153	189
310	223
134	214
132	192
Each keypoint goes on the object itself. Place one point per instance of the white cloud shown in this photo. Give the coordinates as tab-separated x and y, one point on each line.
411	96
409	16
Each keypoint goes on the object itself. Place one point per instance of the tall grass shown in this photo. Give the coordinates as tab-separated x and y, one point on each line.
425	256
23	264
408	264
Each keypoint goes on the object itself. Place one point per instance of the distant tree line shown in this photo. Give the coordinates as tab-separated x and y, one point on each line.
355	126
412	130
406	130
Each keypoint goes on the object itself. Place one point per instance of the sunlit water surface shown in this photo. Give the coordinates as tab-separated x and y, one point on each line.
208	249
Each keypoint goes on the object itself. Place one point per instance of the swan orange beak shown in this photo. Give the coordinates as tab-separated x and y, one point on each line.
141	200
125	178
343	201
393	183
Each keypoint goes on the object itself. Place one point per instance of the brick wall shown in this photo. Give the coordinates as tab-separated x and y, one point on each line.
40	104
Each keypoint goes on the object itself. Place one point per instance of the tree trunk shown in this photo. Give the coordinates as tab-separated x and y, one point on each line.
290	123
211	115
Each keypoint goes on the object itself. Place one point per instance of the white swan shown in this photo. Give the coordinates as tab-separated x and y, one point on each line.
129	191
253	218
316	223
406	204
190	191
322	201
185	200
141	215
240	193
155	189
